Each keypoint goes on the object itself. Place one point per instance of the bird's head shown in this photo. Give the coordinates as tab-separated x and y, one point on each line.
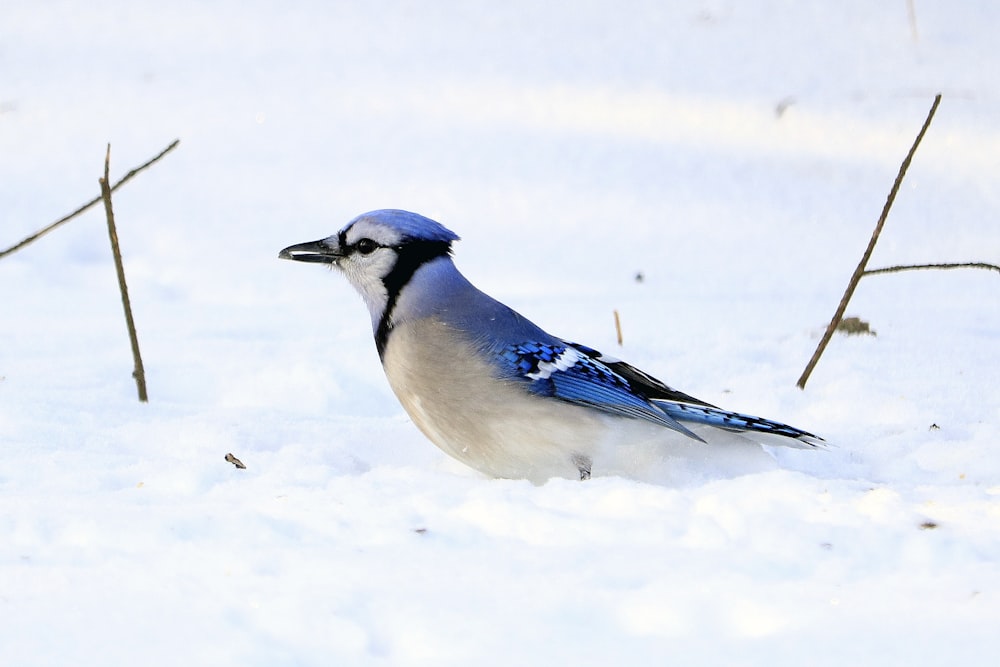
378	252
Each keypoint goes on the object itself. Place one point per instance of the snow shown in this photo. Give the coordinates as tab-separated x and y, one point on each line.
737	154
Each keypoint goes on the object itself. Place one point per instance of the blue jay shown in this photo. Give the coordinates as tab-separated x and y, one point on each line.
491	388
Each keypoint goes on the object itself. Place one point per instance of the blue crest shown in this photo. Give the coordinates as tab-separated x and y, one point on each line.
412	226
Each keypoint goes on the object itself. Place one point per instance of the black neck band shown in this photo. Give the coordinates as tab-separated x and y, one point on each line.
411	257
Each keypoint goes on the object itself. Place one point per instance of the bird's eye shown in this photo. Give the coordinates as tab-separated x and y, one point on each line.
366	246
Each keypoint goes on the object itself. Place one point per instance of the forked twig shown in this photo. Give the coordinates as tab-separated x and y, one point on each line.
67	218
860	270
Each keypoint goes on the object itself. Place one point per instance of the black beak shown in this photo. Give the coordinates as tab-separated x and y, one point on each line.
315	251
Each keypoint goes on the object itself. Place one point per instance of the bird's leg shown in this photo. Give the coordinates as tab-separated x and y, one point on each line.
582	464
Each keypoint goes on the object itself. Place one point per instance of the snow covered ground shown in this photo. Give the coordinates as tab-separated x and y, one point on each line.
737	154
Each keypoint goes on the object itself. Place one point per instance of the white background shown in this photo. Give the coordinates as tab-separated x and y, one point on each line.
737	154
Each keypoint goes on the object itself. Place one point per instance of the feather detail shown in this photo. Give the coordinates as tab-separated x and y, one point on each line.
569	373
581	375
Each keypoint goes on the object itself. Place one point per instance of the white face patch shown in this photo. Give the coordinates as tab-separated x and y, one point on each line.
366	272
567	359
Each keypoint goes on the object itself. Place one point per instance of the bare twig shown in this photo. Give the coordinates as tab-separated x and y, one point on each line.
618	328
859	271
139	373
917	267
124	179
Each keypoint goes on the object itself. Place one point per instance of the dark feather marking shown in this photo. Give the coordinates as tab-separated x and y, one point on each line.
648	385
411	255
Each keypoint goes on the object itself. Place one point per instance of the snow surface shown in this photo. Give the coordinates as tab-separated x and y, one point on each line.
737	154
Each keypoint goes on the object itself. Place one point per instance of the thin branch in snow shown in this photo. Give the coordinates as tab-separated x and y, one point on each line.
67	218
860	270
139	373
947	265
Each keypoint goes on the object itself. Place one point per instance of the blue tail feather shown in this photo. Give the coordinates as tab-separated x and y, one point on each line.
712	416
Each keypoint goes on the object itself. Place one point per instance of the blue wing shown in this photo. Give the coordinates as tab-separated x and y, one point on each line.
581	375
575	374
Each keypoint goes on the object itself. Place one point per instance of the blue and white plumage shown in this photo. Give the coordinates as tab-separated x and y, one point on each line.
491	388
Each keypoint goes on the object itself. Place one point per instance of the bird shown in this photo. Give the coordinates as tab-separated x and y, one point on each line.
494	390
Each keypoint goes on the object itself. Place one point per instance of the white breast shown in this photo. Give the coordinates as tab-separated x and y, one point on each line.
500	429
493	426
